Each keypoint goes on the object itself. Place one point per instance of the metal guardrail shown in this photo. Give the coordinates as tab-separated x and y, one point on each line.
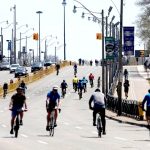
130	108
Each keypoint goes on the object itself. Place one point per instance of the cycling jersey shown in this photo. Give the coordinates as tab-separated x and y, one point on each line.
64	85
75	80
84	80
147	99
99	100
91	77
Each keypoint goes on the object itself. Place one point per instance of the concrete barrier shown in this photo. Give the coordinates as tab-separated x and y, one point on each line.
34	77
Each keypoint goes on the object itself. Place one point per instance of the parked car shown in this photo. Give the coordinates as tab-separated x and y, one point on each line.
4	66
48	63
36	66
13	67
20	71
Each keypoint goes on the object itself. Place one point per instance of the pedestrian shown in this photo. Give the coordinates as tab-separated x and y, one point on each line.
5	89
126	88
126	74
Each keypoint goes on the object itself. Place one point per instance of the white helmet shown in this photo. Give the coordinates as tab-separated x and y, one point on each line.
55	87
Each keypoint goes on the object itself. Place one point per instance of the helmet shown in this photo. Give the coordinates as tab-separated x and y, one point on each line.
149	91
63	80
97	90
83	77
55	87
19	88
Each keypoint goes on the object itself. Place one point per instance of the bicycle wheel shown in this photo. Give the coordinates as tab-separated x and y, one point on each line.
16	128
99	127
52	122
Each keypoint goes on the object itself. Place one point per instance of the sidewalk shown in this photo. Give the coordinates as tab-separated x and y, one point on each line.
138	88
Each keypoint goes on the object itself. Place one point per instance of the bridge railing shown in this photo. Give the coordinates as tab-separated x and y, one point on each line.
130	108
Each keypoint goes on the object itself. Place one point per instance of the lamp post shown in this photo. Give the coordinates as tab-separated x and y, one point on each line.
120	62
64	4
2	39
102	21
14	33
39	12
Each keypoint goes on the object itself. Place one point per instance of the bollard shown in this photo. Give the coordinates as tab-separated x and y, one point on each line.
141	112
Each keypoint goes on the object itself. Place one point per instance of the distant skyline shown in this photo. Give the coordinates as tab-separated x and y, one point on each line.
80	33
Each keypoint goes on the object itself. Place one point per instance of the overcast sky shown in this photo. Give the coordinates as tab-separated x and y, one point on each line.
80	33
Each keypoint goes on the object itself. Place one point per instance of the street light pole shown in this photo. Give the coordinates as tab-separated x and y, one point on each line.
39	12
64	4
120	63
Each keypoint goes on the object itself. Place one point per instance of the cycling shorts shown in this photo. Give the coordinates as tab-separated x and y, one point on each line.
148	111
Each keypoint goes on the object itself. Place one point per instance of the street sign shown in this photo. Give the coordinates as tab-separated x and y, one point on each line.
109	47
128	40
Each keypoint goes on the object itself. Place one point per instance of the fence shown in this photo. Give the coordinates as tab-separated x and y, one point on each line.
130	108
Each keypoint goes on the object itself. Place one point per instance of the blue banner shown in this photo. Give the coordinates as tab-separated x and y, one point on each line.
9	45
128	40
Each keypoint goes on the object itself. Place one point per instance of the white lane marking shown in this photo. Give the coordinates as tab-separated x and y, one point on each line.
119	138
94	132
23	135
78	127
1	111
42	142
4	126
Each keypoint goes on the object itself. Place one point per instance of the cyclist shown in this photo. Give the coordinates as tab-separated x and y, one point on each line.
99	100
23	85
75	67
63	86
80	87
52	102
75	83
5	89
84	81
91	78
147	101
125	74
18	101
57	68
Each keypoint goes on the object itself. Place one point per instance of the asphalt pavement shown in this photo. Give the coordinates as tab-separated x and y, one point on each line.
75	130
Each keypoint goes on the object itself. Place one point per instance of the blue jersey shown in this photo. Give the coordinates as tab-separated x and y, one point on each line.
80	85
147	99
53	97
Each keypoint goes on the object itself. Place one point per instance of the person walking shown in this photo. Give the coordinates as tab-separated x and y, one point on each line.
126	88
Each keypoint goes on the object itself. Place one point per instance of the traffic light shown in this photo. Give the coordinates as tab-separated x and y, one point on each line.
98	36
35	36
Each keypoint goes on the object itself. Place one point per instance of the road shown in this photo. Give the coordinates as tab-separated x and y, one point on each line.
74	130
5	76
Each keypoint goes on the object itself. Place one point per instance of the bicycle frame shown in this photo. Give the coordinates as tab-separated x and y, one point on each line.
52	123
17	125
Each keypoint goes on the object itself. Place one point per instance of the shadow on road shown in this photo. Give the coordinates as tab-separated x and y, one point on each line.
90	137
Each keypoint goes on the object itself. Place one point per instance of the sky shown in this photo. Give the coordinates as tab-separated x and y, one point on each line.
80	33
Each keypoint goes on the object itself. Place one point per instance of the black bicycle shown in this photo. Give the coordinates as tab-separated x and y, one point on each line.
80	93
91	83
17	122
63	93
75	72
4	93
99	125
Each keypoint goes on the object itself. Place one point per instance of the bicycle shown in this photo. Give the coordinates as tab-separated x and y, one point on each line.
57	72
91	83
5	93
99	125
80	93
52	122
63	93
84	88
75	72
75	87
17	122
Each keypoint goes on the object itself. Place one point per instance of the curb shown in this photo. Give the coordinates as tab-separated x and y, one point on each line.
126	122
